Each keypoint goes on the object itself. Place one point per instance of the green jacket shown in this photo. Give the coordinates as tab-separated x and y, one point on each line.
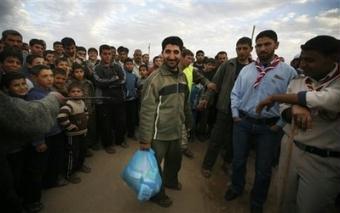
224	79
165	107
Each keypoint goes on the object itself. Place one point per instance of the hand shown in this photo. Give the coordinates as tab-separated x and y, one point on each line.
41	147
302	117
237	119
73	127
202	105
268	102
211	87
144	146
60	97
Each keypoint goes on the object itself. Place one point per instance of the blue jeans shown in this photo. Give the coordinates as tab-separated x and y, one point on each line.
267	142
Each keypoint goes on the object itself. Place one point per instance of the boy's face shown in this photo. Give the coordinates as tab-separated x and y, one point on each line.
18	87
70	50
200	57
146	59
81	54
158	62
143	72
187	60
63	65
45	78
37	49
37	61
50	58
208	67
59	80
106	56
128	66
222	58
58	48
76	92
11	64
122	55
93	55
78	74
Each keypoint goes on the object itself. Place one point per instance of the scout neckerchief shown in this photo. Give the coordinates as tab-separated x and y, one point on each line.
263	70
329	78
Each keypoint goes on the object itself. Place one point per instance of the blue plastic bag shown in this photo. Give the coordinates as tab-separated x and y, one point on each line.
142	174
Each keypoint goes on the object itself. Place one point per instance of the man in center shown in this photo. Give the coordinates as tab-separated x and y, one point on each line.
164	109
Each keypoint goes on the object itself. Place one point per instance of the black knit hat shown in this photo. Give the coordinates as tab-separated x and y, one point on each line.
324	44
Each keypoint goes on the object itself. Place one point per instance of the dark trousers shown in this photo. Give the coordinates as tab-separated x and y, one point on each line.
266	143
170	151
35	167
76	150
10	182
206	120
56	159
221	136
112	119
131	117
92	137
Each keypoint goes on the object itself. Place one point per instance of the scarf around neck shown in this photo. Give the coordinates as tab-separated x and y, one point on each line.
263	70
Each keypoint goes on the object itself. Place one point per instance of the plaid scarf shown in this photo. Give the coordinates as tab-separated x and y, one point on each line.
263	70
333	75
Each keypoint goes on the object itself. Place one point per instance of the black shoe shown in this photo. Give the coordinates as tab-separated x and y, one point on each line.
178	187
34	207
110	150
256	209
85	169
230	195
163	201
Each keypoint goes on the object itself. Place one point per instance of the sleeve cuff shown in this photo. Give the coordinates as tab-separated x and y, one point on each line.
302	98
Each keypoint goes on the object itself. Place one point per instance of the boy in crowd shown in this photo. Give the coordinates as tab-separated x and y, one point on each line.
70	48
36	154
37	47
109	79
31	61
10	60
91	63
131	86
58	49
199	60
73	117
80	55
63	64
14	85
49	58
60	79
78	75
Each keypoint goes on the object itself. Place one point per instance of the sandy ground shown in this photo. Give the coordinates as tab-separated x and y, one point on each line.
104	191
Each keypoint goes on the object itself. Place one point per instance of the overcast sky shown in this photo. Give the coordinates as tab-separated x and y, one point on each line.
211	25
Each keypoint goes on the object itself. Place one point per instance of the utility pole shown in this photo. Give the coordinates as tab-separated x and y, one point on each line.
252	33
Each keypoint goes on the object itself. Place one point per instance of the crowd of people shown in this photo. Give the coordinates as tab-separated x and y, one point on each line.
74	103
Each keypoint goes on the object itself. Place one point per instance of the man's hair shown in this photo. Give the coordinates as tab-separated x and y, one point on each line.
142	65
10	76
209	61
186	52
31	57
59	71
174	40
92	49
77	66
123	49
34	41
323	44
155	58
6	33
104	47
38	68
11	52
220	53
57	43
128	59
67	41
81	48
75	84
48	52
244	40
267	33
199	51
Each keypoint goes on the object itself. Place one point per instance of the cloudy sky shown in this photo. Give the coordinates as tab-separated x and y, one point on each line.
211	25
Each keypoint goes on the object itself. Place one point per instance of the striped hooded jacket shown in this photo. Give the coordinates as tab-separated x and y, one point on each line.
165	107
